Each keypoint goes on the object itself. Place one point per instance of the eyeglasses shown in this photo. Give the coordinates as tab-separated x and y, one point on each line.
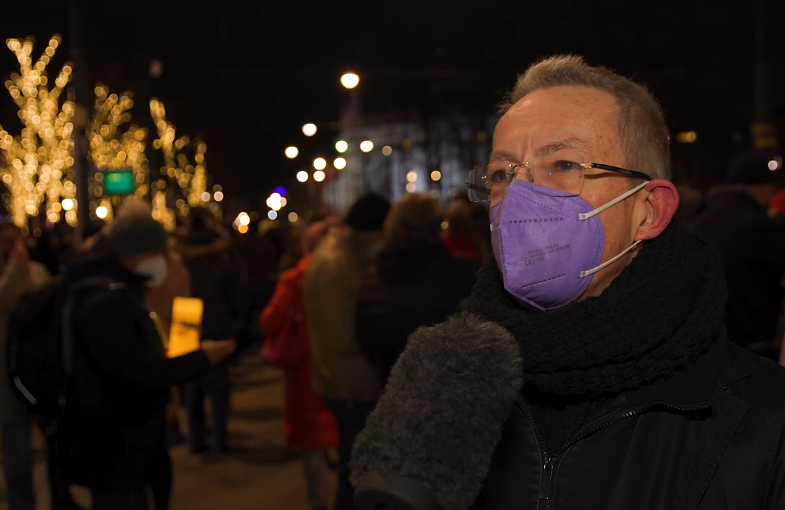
490	184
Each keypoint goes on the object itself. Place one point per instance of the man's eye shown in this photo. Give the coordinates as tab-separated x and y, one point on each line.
498	176
565	166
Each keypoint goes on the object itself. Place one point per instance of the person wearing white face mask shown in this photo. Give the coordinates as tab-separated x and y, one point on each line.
113	434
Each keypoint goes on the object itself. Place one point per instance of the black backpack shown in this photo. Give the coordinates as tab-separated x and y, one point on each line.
41	344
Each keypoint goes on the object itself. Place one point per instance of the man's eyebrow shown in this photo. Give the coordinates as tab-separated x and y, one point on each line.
558	145
504	156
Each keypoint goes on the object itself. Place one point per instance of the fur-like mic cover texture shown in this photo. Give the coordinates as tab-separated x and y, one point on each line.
442	412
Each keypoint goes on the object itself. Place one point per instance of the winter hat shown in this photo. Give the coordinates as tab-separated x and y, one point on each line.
134	231
752	168
368	213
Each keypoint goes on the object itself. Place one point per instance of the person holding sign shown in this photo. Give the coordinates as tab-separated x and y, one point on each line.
114	428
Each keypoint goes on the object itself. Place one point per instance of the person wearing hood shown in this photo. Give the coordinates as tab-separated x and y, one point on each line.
113	431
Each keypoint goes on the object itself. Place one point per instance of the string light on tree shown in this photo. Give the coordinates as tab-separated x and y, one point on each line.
189	176
115	145
37	161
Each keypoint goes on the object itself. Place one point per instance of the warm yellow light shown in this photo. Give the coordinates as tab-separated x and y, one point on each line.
205	196
218	196
242	228
283	202
366	146
339	163
309	129
350	80
386	150
274	201
411	176
318	176
101	211
302	176
686	136
67	204
341	146
243	219
291	152
293	217
319	163
411	187
436	176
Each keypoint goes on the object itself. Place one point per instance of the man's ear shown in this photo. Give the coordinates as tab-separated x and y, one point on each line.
658	208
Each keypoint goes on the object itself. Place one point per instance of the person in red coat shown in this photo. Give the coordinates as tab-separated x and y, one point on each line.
309	426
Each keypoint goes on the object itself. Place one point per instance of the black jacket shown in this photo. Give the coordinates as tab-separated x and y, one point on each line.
404	291
708	438
216	274
752	249
115	418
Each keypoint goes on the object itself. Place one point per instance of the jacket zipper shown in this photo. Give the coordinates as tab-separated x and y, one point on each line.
549	461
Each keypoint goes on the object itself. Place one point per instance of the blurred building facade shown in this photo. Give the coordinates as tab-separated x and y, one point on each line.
408	155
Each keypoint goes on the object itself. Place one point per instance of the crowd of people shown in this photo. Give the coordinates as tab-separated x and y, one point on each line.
629	307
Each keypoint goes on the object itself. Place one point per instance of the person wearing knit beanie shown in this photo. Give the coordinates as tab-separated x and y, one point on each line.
139	241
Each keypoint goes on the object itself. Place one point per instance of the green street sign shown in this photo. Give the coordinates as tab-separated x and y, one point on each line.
118	182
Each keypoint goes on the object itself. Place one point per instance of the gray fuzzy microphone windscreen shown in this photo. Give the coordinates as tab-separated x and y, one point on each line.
442	412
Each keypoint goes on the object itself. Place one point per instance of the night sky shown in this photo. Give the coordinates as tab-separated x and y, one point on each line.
247	74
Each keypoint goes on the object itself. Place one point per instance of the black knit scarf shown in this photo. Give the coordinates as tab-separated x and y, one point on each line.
658	316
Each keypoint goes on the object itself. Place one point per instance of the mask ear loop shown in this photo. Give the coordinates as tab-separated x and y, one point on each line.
623	196
602	266
586	216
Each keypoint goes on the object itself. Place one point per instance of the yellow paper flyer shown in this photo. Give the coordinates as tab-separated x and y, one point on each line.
186	326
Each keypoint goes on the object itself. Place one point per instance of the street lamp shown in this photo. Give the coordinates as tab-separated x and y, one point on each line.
291	152
302	176
366	146
350	80
319	163
339	163
309	129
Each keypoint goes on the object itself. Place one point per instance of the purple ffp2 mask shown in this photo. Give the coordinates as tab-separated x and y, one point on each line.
548	243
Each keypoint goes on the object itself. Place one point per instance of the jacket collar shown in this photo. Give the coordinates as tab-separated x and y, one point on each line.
692	386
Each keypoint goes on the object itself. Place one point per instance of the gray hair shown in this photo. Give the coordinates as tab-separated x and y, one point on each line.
643	134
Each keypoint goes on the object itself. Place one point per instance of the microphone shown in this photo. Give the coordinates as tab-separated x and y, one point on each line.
429	442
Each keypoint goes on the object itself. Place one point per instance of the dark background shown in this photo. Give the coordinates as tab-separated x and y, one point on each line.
247	74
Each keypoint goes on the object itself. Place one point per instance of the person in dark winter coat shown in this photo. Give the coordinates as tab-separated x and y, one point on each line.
631	395
735	222
216	273
114	429
415	281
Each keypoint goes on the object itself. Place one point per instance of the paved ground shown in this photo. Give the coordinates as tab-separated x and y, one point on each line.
259	474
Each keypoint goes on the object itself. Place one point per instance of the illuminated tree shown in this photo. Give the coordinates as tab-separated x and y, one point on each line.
114	144
38	160
190	177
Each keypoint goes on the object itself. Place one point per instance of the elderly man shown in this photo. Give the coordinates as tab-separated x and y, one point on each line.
633	397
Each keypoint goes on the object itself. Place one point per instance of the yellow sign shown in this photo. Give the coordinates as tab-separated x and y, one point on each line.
186	326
